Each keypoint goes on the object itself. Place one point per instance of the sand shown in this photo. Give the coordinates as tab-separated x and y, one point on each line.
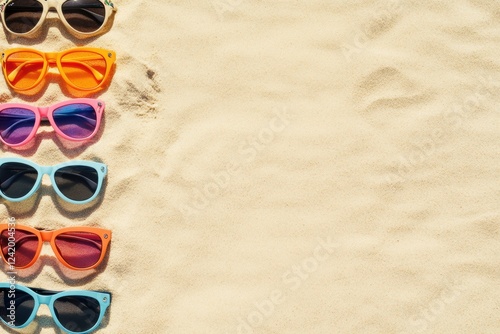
287	167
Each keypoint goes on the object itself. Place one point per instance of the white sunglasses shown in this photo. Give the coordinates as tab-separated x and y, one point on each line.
83	18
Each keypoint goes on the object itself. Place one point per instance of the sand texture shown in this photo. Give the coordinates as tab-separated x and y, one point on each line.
286	167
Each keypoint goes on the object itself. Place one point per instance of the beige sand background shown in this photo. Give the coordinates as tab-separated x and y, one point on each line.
288	167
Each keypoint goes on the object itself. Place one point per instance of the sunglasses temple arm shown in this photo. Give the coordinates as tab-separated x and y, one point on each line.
89	13
25	238
44	292
7	183
97	75
23	9
88	120
12	75
18	299
14	126
76	238
88	181
19	243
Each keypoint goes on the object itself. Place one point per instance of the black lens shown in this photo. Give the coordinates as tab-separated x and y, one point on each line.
77	313
16	306
84	15
17	179
21	16
78	183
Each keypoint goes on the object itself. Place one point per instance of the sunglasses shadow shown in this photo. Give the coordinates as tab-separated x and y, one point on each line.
27	208
70	277
71	149
39	324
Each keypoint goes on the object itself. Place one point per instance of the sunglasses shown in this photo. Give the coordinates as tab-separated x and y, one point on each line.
76	119
76	182
74	311
78	248
83	18
83	68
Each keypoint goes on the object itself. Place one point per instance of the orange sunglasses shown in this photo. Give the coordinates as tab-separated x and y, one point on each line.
85	69
78	248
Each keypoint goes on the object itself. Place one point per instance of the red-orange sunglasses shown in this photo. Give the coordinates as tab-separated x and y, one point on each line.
78	248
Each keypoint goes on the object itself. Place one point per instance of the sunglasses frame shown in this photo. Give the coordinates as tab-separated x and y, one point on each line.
109	8
43	113
48	298
50	58
50	236
51	170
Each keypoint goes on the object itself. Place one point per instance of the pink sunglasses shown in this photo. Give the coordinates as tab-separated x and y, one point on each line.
76	119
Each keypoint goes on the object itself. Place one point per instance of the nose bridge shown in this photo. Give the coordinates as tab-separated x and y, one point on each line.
44	299
51	57
46	170
52	4
43	111
46	235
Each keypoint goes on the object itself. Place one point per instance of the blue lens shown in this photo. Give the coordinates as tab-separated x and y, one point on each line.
16	124
78	120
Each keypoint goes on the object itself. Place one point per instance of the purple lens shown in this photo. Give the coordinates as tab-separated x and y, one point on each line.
77	120
79	249
26	246
16	124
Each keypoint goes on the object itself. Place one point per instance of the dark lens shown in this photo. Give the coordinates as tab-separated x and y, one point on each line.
77	120
79	249
21	16
77	313
16	124
25	243
78	183
23	306
17	179
84	15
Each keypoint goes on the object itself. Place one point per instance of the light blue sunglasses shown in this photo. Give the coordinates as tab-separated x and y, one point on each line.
74	311
77	182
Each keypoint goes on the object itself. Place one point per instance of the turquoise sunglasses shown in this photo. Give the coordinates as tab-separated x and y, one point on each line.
74	311
77	182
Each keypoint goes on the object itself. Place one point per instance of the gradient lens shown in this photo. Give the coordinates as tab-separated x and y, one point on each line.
79	249
16	125
77	313
84	69
78	183
23	69
17	179
85	16
23	302
26	247
21	16
78	120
